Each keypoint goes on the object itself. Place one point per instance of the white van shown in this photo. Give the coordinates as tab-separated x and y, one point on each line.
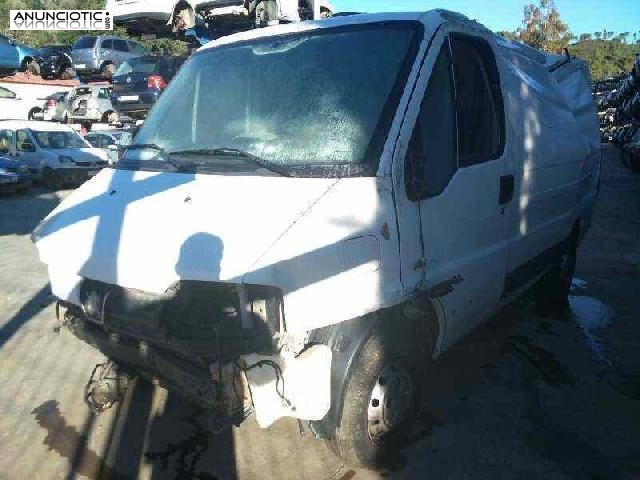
54	153
313	212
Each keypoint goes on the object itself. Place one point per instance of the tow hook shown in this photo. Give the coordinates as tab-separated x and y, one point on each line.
106	386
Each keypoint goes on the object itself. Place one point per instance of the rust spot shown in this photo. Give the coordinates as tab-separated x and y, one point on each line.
67	442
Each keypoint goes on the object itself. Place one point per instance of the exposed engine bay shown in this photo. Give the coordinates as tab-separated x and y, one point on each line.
219	345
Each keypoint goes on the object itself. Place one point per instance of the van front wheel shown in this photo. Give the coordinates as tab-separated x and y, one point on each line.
381	399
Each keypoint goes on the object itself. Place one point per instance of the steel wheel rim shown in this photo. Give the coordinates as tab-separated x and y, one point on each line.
390	401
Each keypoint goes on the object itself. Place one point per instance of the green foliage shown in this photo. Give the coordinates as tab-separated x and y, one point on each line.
542	28
165	46
608	54
606	58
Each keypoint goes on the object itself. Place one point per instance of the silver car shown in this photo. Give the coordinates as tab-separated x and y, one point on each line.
109	141
90	103
101	55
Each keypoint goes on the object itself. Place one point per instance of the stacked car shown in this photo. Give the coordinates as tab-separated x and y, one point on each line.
618	100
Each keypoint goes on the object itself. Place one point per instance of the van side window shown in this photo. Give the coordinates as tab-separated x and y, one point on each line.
104	93
431	157
107	44
120	45
6	140
479	100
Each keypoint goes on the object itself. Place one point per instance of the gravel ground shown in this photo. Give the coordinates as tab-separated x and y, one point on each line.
528	395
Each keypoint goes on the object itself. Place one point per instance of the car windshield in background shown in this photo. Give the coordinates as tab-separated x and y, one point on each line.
82	91
46	52
123	138
85	42
316	104
138	65
57	140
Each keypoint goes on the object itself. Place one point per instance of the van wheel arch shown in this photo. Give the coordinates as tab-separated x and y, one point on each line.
348	341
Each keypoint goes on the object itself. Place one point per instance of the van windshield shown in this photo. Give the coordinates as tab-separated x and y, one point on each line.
314	104
56	140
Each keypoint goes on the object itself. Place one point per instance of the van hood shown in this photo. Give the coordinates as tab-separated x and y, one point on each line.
146	230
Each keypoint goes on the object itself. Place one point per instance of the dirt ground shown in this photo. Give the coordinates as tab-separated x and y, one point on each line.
528	395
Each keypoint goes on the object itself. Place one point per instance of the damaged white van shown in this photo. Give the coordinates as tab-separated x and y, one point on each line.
313	212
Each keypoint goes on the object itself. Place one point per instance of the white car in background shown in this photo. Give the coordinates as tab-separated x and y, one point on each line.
13	106
109	141
145	17
54	153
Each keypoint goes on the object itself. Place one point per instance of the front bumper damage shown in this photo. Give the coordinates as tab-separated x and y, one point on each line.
219	345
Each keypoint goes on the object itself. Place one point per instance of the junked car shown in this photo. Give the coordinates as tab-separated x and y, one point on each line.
139	82
91	103
14	106
630	150
56	108
14	175
101	55
218	17
266	247
55	154
55	62
9	56
112	142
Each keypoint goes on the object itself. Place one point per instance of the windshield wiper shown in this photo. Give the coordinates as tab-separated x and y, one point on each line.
229	151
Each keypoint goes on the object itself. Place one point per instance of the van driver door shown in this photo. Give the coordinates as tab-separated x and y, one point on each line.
452	187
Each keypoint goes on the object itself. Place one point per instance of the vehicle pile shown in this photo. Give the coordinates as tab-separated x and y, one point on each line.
102	84
618	100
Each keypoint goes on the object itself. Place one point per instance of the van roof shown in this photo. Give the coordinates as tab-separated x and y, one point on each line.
357	19
431	17
36	125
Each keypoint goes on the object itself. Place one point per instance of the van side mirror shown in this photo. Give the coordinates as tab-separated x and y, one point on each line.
27	147
113	147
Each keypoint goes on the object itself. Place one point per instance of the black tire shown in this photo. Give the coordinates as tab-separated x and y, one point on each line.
393	347
109	117
266	13
32	113
108	70
554	287
68	73
51	179
31	66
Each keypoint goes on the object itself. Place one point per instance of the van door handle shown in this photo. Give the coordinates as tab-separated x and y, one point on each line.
507	187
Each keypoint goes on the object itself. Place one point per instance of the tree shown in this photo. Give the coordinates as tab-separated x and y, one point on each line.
585	37
598	35
543	28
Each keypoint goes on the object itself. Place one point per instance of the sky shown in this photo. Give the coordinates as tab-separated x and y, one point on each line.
581	15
